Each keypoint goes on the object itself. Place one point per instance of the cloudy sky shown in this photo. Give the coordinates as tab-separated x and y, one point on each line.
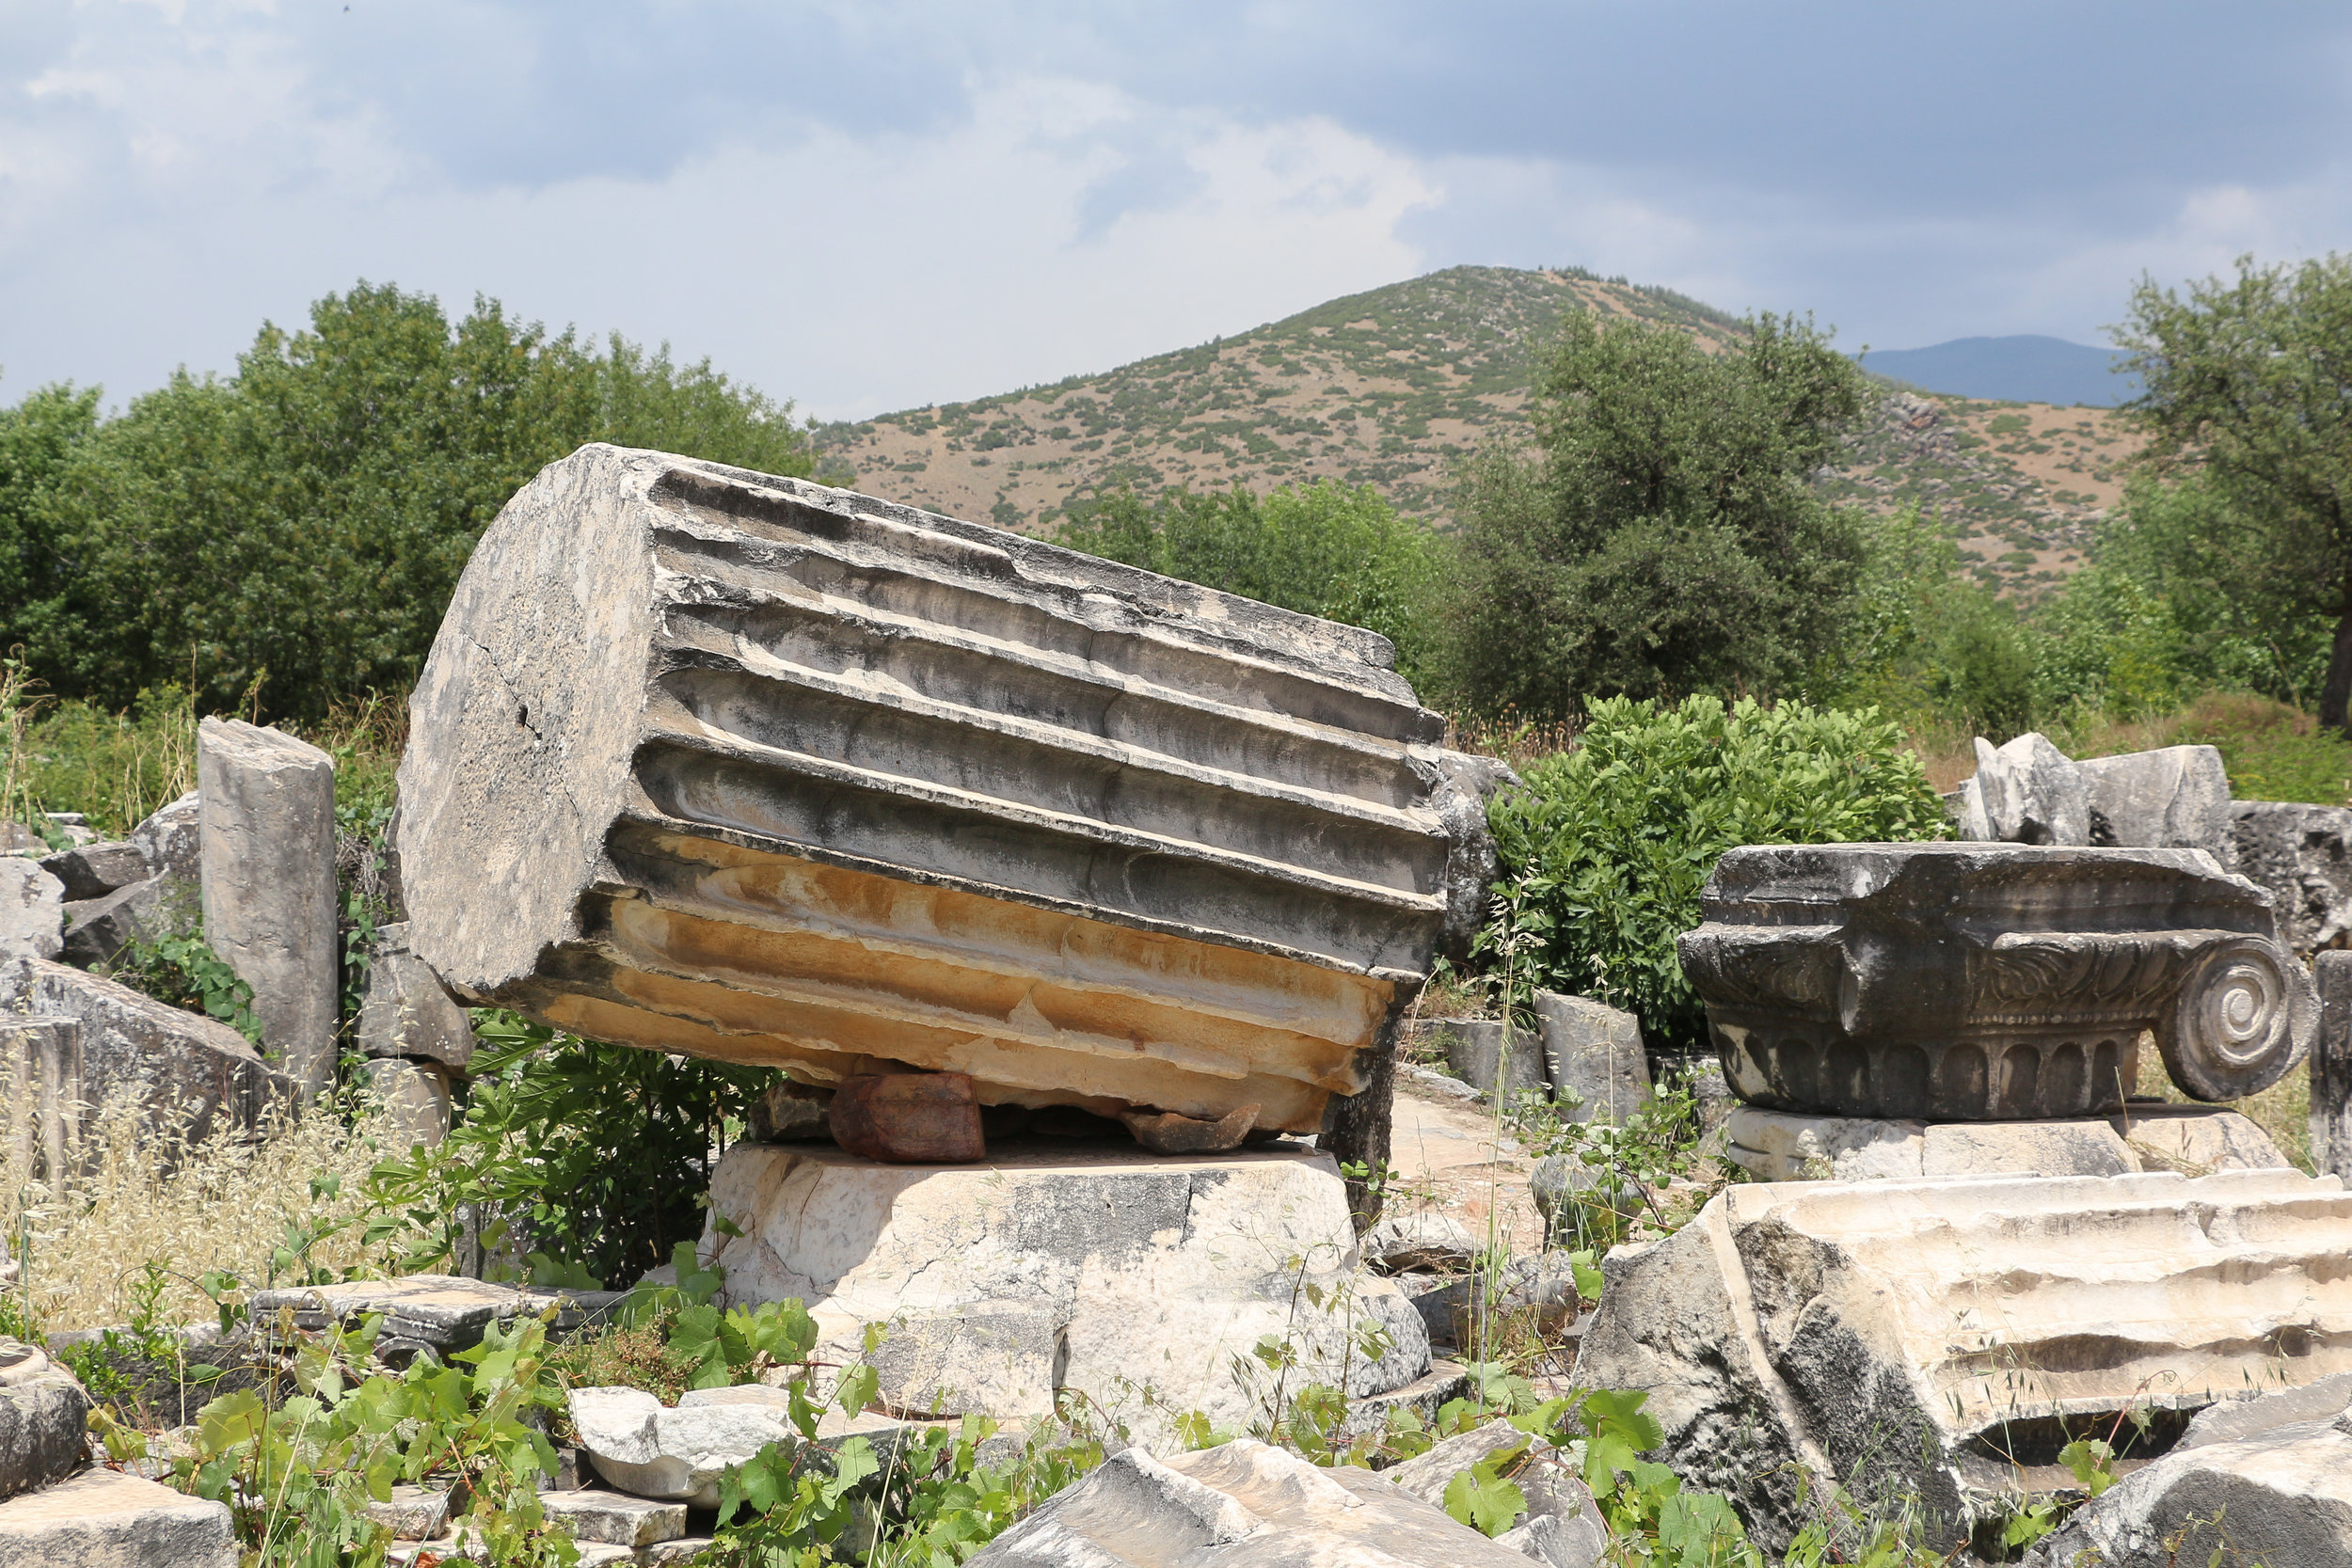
866	206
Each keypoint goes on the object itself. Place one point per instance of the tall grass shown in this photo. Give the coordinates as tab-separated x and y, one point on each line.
119	767
265	1204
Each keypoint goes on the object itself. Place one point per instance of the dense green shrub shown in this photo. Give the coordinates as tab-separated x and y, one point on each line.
596	1157
1605	851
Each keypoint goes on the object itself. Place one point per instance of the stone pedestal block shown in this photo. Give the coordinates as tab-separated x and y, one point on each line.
746	768
269	884
1963	982
1935	1343
1042	1269
1594	1052
2194	1140
405	1012
105	1518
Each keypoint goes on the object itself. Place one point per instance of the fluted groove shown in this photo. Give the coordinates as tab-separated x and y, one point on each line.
773	772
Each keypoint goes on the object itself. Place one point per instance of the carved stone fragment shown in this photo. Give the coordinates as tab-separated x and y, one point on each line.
714	762
1965	982
1935	1344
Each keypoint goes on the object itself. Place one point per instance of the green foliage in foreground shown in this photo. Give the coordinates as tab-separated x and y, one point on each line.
1321	549
294	532
1604	853
595	1156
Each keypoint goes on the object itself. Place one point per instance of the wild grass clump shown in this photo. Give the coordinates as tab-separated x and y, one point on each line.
142	1185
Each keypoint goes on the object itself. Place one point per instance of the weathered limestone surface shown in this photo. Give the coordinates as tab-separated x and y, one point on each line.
32	909
2194	1140
95	870
146	910
1928	1336
1594	1052
2269	1481
743	767
1242	1505
269	884
43	1412
1963	982
2027	791
1045	1270
42	1053
405	1012
1561	1524
1460	802
2331	1065
2303	856
105	1518
2174	797
134	1045
172	840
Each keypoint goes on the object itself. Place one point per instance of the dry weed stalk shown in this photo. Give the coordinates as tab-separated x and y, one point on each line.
139	1187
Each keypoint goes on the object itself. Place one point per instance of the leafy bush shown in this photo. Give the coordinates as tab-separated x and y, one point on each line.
1605	851
594	1155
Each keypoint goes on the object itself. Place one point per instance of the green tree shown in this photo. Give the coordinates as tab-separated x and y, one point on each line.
300	527
1665	538
37	439
2249	392
1324	549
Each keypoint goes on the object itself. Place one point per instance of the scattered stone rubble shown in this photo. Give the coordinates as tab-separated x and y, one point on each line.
746	768
1585	1055
61	1509
2265	1477
1242	1505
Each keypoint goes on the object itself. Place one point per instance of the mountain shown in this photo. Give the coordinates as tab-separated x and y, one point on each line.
1391	387
2011	369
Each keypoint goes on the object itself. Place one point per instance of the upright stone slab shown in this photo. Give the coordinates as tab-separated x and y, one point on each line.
742	766
1592	1053
405	1012
2331	1065
44	1056
1937	1343
2027	791
1041	1271
269	884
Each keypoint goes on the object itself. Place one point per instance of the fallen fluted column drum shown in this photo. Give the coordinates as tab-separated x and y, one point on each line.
1967	982
739	766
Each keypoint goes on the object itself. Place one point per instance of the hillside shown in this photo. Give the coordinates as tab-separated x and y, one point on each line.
1391	387
2025	368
